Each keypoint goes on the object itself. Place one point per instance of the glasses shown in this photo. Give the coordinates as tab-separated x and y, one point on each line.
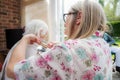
66	14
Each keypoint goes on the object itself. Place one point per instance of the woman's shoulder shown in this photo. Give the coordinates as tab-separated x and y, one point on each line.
71	43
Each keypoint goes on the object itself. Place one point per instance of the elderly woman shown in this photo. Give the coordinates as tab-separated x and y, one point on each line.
36	27
84	56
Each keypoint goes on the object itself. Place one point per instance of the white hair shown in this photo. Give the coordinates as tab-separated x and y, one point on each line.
37	27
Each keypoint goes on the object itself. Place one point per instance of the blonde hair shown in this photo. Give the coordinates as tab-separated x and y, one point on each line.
93	18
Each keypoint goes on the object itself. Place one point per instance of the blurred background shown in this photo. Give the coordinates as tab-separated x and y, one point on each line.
15	14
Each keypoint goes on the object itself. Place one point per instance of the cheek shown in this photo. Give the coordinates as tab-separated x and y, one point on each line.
67	25
66	30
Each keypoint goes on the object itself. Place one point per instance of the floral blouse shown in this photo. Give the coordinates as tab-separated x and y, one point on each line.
79	59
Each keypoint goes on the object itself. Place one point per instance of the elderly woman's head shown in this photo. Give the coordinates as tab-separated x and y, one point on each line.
37	27
84	18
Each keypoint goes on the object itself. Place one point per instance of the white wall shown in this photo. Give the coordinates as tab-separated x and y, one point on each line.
34	9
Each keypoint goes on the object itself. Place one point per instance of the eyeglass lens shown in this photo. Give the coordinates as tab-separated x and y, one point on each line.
65	15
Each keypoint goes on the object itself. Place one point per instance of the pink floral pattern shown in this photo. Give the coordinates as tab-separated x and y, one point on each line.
41	62
95	58
80	59
88	75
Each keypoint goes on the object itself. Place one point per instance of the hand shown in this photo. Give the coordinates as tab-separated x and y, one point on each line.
51	44
31	38
18	54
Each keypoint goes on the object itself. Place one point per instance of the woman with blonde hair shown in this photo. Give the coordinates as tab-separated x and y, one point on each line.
36	27
84	56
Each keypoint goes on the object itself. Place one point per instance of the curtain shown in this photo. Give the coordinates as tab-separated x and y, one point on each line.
55	19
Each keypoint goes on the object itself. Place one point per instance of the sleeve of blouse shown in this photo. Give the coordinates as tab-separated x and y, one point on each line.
51	65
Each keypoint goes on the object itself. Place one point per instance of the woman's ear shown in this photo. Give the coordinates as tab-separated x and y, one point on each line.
78	18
